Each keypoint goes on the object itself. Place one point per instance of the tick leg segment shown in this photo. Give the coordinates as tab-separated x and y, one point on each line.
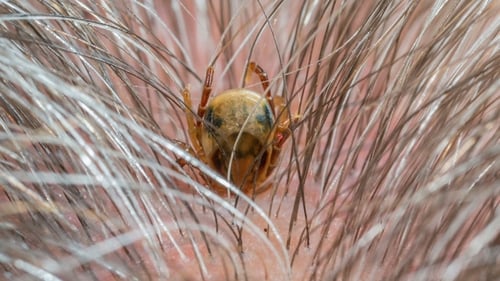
187	149
283	131
207	90
255	68
193	128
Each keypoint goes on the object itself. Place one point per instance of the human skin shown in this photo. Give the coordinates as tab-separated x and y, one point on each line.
391	172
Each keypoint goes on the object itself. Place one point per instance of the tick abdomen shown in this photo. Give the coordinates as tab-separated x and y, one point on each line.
237	115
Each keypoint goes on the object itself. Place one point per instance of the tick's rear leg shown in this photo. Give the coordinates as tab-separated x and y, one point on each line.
187	148
194	128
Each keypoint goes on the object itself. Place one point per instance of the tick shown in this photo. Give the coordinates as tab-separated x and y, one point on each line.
237	133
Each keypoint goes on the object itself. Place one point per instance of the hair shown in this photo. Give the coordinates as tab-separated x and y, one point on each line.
391	172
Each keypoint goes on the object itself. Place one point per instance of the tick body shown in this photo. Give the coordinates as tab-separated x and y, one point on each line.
237	133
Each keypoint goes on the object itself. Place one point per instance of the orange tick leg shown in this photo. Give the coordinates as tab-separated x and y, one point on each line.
283	132
186	148
255	68
207	90
193	128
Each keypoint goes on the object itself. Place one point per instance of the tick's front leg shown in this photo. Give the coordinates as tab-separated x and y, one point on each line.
255	68
205	95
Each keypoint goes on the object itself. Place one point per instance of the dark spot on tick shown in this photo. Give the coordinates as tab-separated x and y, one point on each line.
213	120
265	119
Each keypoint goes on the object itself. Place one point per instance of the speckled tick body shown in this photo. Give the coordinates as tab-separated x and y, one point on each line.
237	134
